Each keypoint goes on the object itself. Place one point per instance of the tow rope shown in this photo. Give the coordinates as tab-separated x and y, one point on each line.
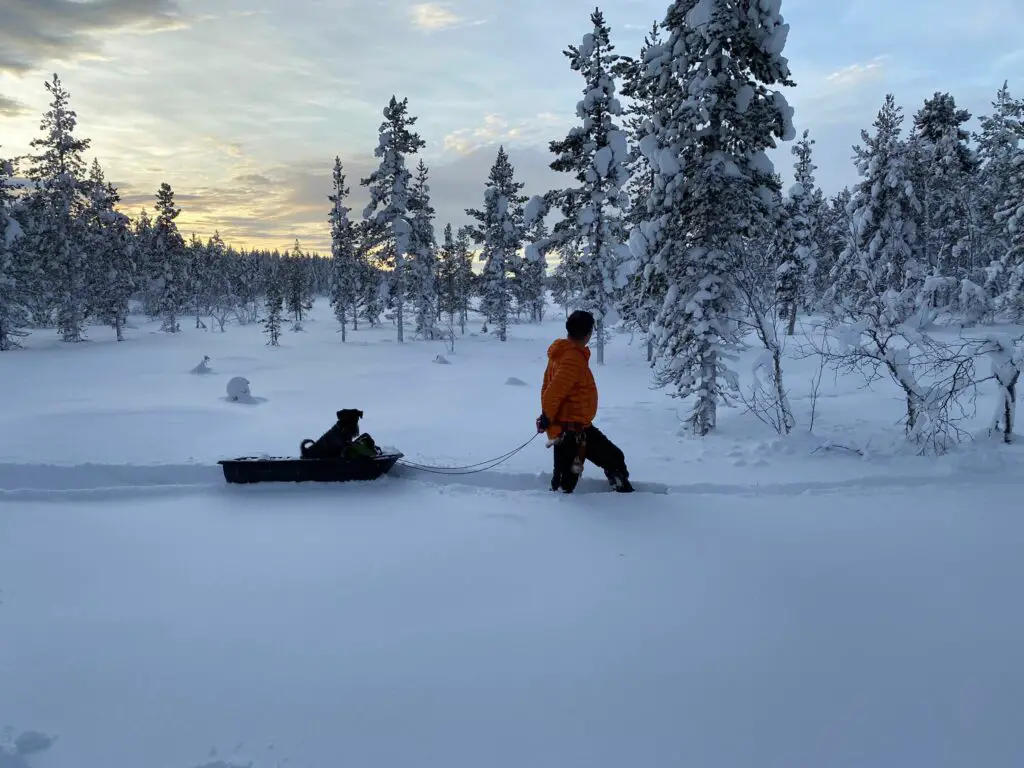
469	469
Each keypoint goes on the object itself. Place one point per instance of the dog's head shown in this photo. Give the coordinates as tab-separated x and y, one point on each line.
349	417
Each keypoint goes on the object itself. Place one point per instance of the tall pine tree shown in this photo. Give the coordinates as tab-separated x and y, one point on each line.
168	275
876	276
58	205
499	232
423	250
802	213
944	173
714	186
345	273
596	153
387	213
112	266
274	302
14	316
999	146
645	290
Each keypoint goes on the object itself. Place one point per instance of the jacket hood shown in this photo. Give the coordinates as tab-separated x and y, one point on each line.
561	347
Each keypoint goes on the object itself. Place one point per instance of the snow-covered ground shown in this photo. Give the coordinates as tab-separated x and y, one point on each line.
767	602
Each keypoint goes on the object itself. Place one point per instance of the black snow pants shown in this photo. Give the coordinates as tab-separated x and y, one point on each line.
598	450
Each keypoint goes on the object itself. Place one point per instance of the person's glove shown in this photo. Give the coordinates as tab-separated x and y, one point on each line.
543	422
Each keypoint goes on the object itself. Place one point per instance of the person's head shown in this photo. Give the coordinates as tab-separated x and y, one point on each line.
579	326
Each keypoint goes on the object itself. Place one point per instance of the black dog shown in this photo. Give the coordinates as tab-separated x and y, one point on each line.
333	442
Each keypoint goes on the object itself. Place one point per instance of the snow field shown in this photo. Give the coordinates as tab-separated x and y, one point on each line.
772	603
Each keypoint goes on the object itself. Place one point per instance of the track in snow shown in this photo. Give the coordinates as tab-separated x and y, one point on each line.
28	482
61	481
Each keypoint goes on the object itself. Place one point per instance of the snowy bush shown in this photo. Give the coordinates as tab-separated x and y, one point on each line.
203	366
1007	361
937	378
764	307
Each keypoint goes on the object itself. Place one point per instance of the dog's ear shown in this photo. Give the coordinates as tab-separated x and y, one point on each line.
359	414
340	415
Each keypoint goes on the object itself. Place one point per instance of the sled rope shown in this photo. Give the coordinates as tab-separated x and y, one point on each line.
469	469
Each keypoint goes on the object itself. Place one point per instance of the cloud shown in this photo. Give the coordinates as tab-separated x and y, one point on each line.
38	32
434	17
855	75
495	130
254	180
11	107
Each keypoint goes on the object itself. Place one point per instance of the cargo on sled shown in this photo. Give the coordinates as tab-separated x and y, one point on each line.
340	455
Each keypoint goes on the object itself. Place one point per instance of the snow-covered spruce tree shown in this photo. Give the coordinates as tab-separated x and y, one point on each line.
371	282
387	213
714	187
802	214
14	316
224	263
111	271
1010	214
645	289
499	232
596	154
297	295
532	273
250	286
423	254
884	208
463	292
345	273
274	280
945	173
835	236
999	146
57	212
168	274
198	278
449	279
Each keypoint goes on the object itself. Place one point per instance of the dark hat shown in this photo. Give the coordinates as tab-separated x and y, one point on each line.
579	325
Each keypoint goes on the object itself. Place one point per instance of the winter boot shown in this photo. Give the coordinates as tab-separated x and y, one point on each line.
619	481
569	482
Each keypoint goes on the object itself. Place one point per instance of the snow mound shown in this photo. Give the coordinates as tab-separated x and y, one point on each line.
239	392
13	750
512	381
203	367
442	360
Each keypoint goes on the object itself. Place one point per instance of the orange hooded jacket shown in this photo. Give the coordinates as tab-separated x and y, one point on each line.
569	393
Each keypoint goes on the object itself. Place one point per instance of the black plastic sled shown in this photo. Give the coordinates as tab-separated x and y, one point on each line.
340	455
254	469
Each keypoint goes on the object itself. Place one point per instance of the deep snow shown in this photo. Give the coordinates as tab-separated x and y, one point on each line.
771	603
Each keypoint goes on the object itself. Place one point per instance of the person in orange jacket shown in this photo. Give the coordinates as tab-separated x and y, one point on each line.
568	407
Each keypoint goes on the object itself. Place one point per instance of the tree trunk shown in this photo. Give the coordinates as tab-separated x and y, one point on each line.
780	392
791	326
1009	406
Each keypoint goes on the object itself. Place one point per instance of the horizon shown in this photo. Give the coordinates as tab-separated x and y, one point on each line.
249	154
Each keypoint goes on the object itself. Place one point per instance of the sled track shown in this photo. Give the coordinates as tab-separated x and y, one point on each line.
55	482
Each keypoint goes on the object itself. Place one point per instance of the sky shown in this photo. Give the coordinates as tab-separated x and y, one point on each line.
242	105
